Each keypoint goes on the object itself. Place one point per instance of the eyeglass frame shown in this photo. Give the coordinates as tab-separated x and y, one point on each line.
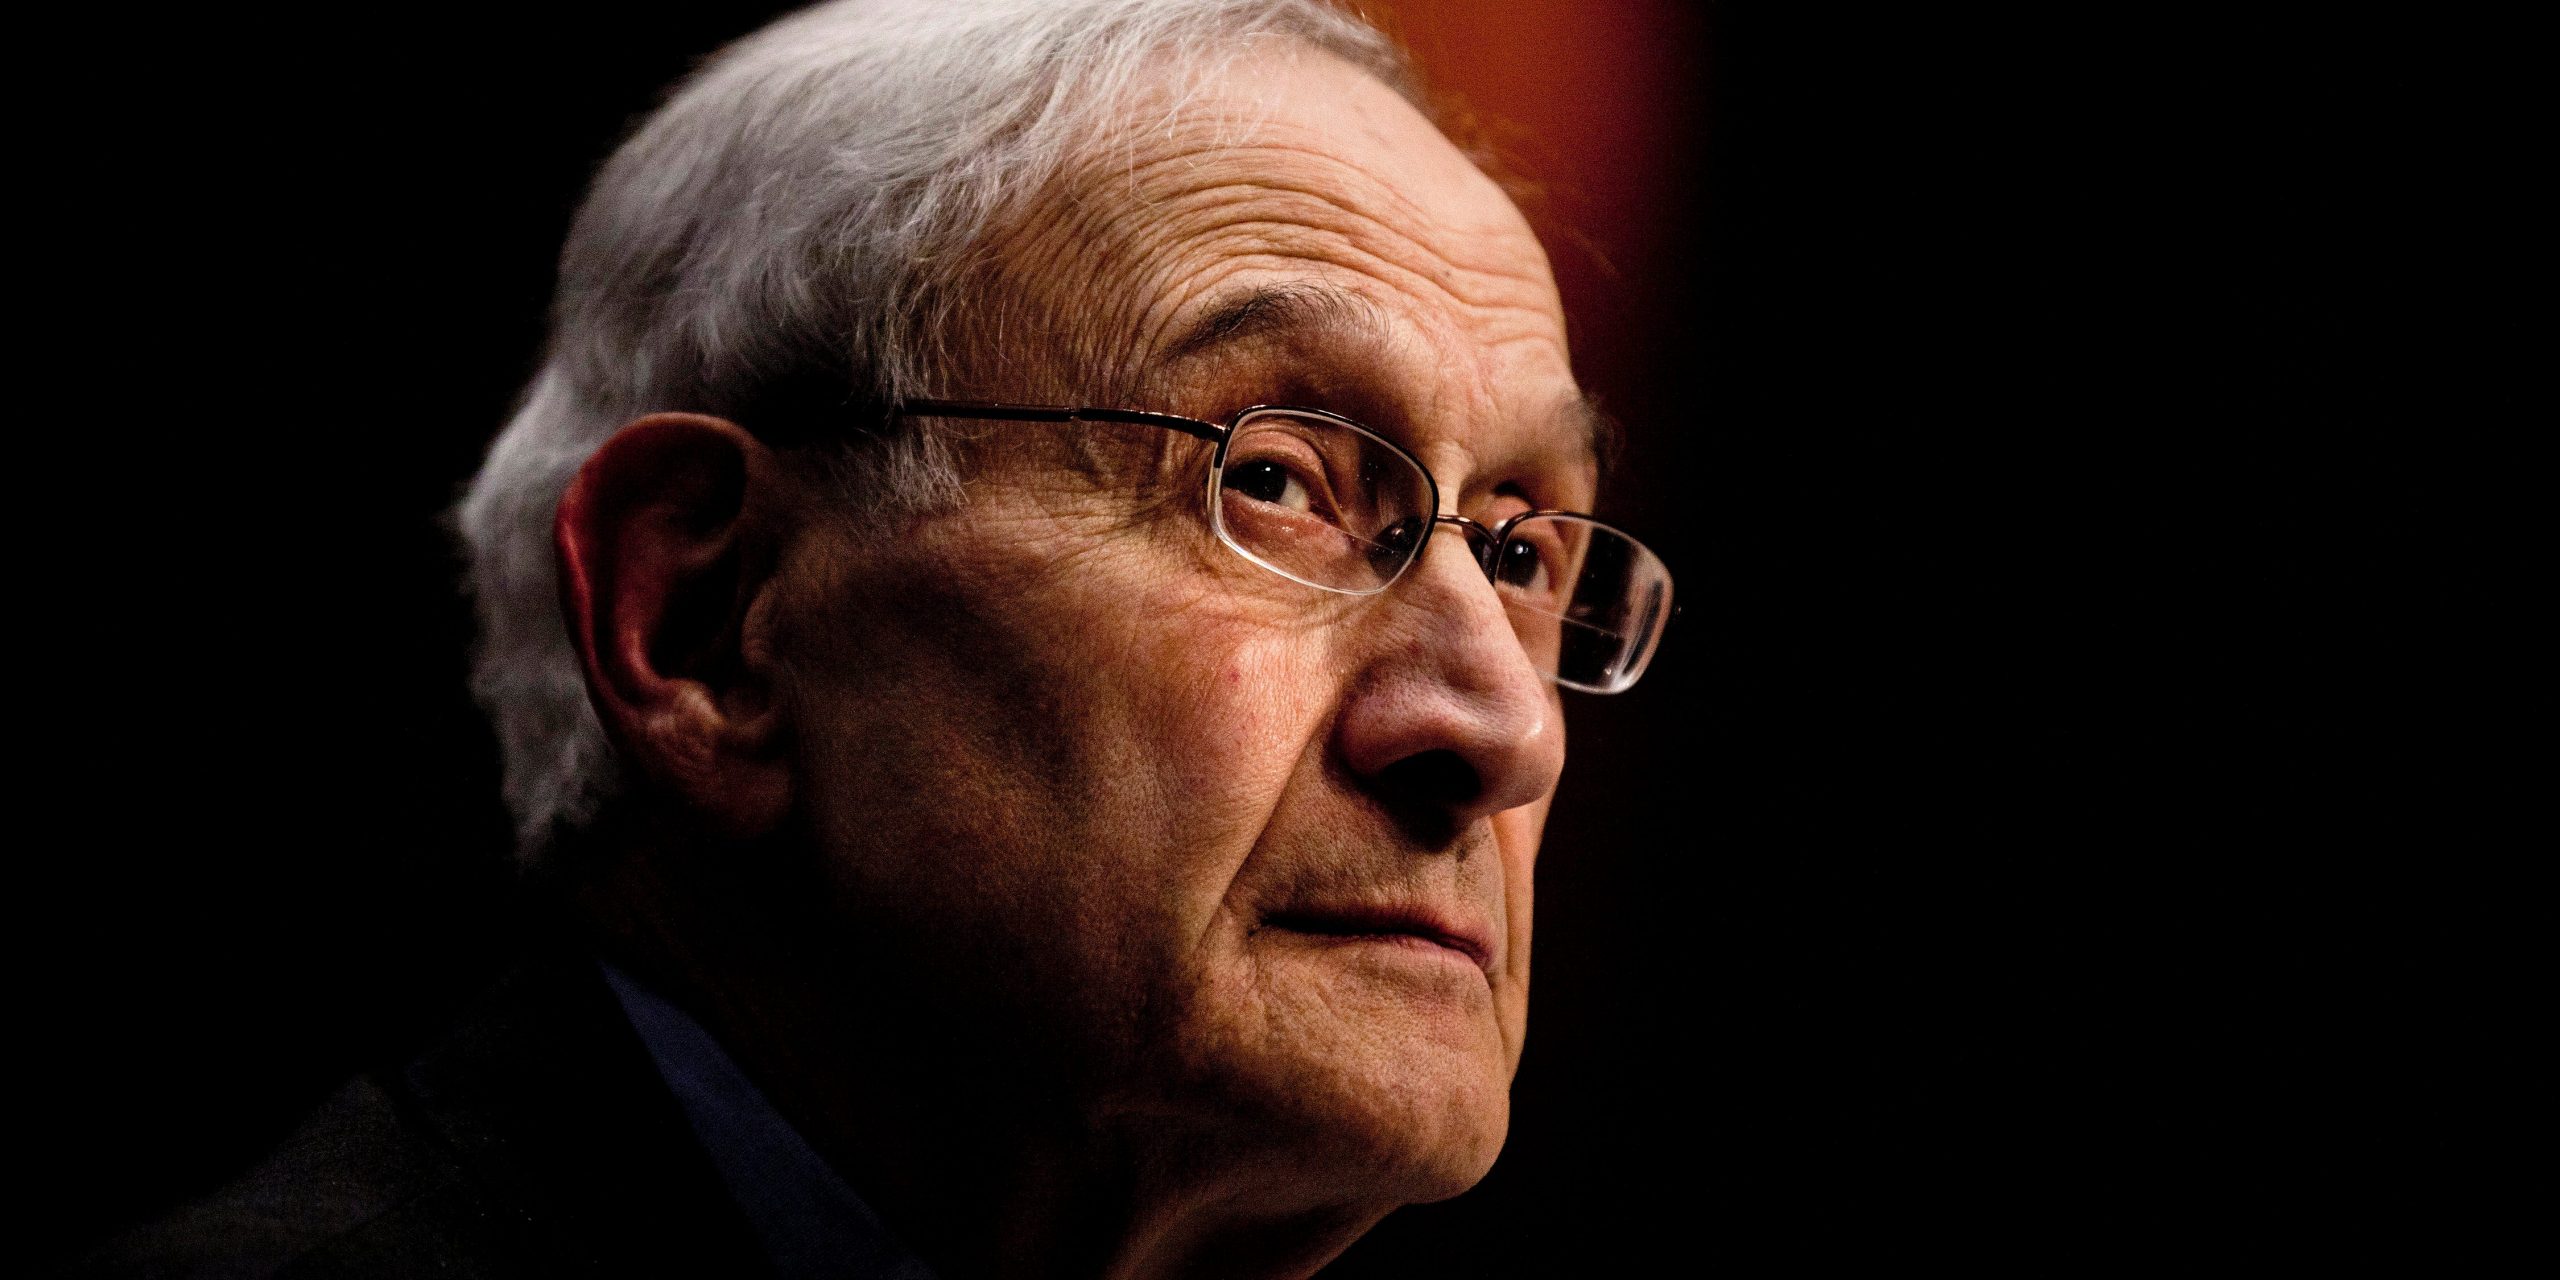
1484	542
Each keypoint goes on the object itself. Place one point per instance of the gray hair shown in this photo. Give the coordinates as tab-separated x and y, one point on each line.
786	234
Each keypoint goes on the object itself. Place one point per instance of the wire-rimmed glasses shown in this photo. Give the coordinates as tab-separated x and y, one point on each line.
1321	500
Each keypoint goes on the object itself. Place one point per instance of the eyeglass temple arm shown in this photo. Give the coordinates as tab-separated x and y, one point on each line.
1057	413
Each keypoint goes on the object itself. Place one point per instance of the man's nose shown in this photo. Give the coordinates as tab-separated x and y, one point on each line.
1449	719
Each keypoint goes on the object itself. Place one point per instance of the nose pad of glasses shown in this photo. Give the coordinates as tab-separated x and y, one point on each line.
1481	543
1395	545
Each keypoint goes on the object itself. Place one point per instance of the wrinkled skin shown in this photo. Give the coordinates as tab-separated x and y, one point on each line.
1074	771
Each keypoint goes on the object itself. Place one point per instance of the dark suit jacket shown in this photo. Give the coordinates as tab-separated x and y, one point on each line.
536	1140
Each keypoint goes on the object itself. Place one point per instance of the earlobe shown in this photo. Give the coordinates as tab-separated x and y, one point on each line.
667	539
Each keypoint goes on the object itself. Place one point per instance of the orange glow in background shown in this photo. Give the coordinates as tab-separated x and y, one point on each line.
1590	103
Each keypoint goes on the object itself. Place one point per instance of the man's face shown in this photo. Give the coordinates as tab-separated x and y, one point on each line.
1229	856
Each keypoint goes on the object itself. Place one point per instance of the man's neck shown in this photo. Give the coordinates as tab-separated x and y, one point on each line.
980	1158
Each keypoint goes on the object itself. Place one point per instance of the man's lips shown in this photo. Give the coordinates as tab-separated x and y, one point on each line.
1473	941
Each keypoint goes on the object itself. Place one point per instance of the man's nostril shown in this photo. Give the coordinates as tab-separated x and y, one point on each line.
1427	790
1434	777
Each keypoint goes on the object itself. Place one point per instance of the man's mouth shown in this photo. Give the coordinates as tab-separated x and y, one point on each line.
1389	924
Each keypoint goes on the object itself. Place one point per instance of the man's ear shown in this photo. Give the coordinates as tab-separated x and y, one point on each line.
667	541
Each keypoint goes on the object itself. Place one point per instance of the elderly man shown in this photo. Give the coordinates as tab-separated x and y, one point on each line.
1025	611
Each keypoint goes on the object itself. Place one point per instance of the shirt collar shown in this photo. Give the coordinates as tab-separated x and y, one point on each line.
808	1218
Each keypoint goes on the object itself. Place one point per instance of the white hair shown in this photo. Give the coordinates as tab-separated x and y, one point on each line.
782	240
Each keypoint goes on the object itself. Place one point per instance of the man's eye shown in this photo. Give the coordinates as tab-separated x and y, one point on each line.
1523	566
1267	481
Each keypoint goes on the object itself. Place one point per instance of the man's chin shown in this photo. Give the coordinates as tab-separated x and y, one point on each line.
1402	1106
1426	1145
1385	1137
1461	1155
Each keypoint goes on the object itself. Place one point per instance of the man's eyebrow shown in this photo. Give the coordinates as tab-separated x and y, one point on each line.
1270	309
1603	437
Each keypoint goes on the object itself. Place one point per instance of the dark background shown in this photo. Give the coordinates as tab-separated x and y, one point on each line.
2067	820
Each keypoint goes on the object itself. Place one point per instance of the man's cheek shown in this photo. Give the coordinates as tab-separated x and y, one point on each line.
1269	699
1516	834
1232	692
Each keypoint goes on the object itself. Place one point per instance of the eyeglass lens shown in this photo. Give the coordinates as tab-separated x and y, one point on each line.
1326	503
1320	501
1587	601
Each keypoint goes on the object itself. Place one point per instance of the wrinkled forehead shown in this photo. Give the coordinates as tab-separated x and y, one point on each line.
1281	169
